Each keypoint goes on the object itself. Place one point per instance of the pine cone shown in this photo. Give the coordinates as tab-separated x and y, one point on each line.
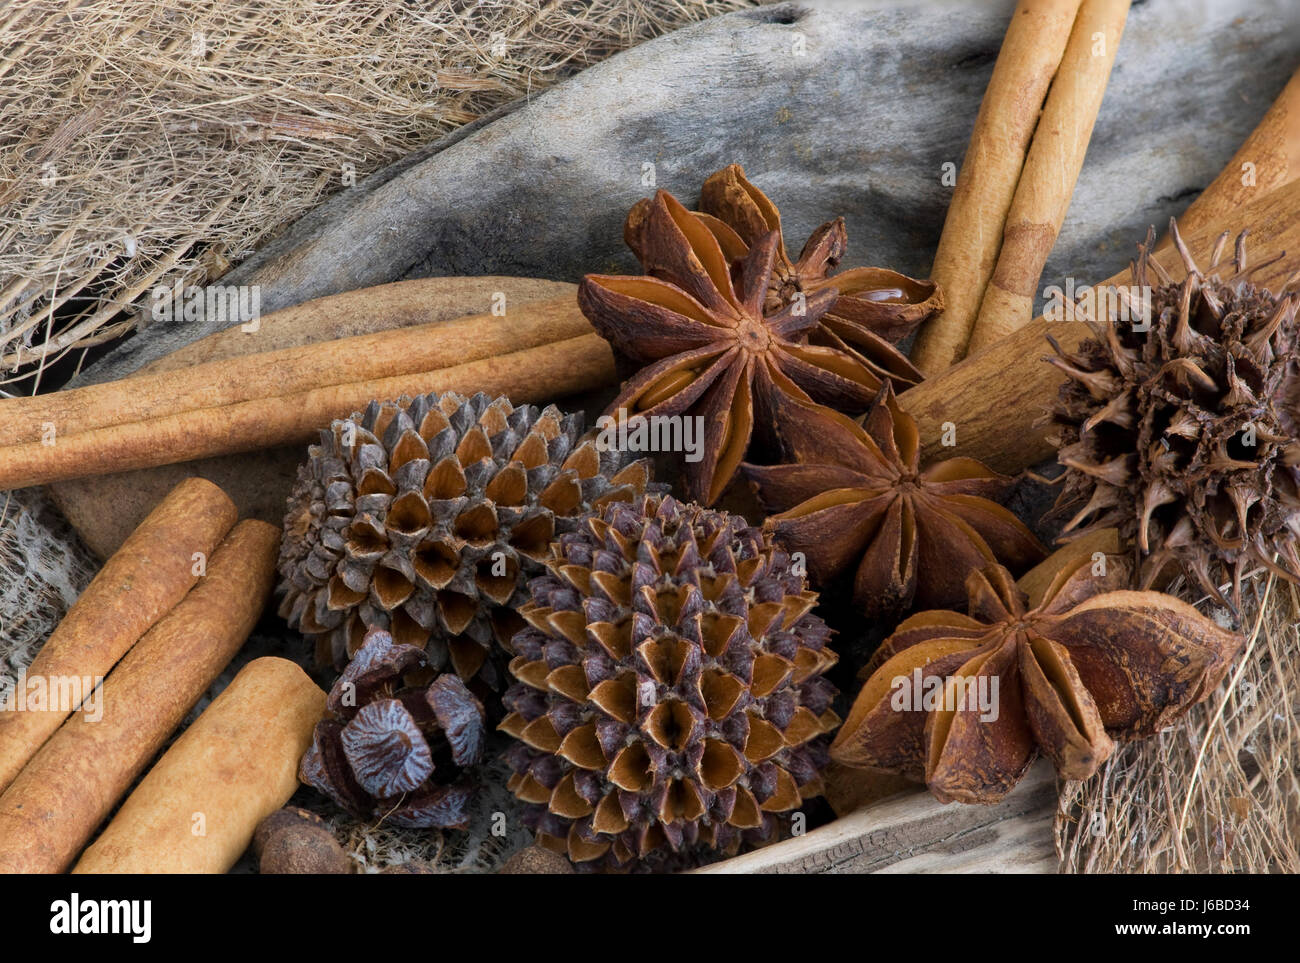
670	686
1184	436
397	739
426	518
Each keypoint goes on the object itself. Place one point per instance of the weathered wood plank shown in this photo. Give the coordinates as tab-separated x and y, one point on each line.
915	833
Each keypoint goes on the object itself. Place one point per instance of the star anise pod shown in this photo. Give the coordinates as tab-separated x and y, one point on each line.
709	349
967	702
876	307
857	495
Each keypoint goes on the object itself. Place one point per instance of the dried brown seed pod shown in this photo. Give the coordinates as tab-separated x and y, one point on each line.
426	518
671	689
304	848
284	818
1184	435
855	498
875	308
536	861
966	702
704	344
398	739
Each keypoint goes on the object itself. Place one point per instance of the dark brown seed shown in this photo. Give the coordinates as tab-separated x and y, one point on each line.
536	861
304	848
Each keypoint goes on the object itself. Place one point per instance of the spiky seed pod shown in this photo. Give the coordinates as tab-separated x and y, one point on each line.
397	739
670	686
1184	436
426	518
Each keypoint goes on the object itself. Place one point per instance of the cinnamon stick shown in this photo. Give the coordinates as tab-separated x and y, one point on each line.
968	247
537	373
288	371
1051	169
60	798
196	810
991	401
384	307
143	581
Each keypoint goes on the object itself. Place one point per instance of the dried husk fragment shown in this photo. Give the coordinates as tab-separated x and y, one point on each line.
1087	665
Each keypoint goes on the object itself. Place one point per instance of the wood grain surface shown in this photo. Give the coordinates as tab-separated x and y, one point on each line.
915	833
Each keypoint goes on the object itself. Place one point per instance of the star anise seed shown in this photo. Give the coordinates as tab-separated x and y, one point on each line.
856	495
1068	675
876	307
707	346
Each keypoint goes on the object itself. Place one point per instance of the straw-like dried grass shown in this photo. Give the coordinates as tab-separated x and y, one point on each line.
149	143
1218	793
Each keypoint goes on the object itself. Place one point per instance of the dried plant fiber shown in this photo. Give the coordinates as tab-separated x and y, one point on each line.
1219	792
149	143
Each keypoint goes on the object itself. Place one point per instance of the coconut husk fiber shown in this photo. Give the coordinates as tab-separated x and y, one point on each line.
153	143
43	568
1220	791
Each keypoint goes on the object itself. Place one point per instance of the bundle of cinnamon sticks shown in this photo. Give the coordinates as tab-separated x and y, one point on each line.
996	416
1016	181
541	351
131	658
1024	158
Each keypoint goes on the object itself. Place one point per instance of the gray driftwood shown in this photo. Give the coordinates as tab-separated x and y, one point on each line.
914	833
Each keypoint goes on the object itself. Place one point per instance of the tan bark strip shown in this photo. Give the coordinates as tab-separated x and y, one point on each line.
147	577
292	370
972	233
1051	170
61	797
235	766
535	374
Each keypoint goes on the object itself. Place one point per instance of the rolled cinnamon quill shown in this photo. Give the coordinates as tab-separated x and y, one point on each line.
196	810
1051	170
144	580
972	234
60	798
292	370
534	374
